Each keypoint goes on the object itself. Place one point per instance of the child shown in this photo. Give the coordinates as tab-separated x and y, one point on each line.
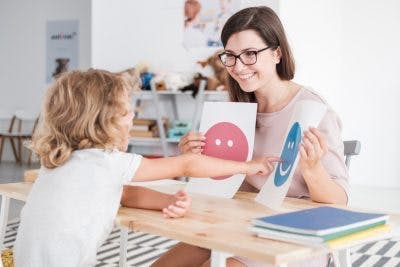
81	139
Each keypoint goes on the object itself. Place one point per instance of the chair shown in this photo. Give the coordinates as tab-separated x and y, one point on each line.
7	120
342	257
351	148
21	128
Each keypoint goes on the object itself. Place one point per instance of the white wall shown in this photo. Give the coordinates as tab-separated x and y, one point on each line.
126	32
349	51
23	48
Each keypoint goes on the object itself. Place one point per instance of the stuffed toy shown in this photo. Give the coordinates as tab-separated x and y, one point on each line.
131	78
194	87
145	75
213	72
218	79
174	80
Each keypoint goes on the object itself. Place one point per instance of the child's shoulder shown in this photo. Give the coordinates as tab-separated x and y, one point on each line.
103	154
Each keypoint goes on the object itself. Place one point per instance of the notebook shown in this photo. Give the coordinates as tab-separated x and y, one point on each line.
313	238
374	233
319	221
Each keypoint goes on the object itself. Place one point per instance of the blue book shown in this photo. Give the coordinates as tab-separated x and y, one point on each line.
319	221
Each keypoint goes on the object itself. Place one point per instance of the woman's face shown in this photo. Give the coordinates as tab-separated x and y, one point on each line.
258	75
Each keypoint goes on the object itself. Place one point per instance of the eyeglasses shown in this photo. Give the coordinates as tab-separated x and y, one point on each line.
248	57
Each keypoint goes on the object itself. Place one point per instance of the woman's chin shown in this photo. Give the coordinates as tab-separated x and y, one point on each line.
248	88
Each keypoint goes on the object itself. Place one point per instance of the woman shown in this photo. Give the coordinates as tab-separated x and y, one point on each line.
258	59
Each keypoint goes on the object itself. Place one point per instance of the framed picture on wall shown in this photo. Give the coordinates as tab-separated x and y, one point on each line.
62	47
204	19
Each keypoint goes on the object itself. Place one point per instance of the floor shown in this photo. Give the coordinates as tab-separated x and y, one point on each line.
143	248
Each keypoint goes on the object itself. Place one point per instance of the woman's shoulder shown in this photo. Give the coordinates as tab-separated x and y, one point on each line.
308	93
331	117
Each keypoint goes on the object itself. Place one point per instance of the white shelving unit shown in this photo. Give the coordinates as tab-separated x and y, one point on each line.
167	144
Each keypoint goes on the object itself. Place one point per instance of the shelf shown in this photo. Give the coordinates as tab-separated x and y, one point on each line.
150	141
168	146
148	94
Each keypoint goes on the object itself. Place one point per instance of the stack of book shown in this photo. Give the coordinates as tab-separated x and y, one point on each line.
146	127
323	226
143	128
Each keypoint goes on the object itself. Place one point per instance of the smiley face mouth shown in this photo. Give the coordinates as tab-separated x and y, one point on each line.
284	172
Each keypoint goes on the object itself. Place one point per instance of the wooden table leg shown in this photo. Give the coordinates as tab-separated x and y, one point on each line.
218	259
123	246
344	258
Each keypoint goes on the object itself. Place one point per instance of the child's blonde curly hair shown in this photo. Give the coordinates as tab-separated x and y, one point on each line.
81	110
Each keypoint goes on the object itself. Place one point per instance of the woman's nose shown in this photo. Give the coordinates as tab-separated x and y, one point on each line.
238	66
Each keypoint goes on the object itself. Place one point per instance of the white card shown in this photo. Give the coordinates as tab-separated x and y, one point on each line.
229	129
306	114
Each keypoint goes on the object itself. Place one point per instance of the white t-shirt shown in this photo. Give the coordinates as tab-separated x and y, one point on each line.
70	210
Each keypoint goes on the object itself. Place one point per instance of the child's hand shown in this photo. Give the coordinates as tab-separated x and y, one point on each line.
312	148
179	206
192	143
262	166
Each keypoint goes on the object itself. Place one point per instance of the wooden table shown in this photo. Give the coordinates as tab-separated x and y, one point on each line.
214	223
222	225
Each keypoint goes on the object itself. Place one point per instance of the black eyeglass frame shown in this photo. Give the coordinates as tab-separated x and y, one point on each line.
238	56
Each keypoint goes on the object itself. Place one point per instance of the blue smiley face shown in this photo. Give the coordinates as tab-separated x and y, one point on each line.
289	154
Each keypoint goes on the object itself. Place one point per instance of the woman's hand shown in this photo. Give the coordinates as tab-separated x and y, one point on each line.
192	143
179	206
312	148
262	166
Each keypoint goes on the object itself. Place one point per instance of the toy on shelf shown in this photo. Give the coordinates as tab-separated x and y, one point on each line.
131	77
194	87
142	70
213	72
159	83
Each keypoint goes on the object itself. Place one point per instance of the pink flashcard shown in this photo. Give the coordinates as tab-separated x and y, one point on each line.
229	129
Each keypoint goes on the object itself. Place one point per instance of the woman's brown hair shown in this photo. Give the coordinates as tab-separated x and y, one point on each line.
80	110
268	26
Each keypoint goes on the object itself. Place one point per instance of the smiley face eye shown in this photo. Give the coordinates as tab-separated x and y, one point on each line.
230	143
217	142
290	145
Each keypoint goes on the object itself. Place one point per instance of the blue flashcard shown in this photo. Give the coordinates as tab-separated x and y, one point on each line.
306	113
289	154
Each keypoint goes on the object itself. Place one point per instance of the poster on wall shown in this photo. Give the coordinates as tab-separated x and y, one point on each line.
307	113
62	47
204	19
229	131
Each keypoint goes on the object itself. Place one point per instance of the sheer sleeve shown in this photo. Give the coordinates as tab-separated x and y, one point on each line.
333	161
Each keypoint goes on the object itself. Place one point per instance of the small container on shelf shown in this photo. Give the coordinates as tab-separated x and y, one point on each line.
178	129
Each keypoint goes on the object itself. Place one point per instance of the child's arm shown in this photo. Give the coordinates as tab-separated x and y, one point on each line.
172	206
196	165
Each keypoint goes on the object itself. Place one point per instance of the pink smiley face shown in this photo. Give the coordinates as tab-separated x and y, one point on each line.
225	140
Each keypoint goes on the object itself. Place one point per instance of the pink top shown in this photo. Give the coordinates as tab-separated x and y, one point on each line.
270	134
